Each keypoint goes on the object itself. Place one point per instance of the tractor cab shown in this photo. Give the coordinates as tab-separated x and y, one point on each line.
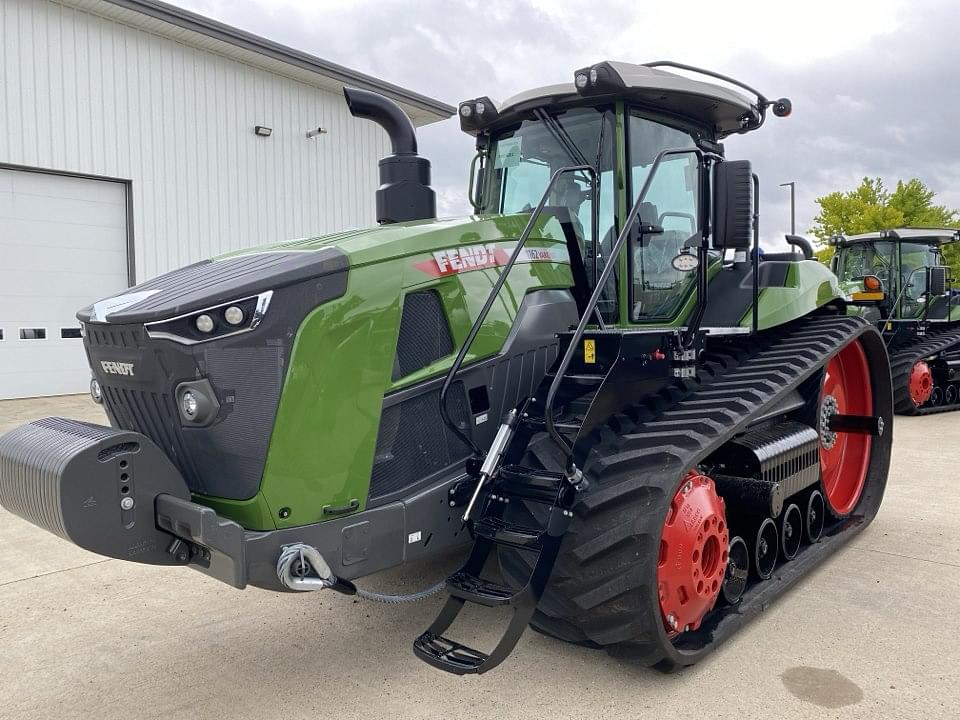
897	276
590	148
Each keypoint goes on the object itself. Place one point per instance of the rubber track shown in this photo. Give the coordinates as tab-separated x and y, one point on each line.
600	590
902	359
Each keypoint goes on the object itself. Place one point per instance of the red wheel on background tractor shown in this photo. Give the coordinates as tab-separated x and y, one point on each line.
845	457
693	554
920	383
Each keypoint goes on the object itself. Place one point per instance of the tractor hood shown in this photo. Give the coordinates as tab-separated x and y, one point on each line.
248	273
399	240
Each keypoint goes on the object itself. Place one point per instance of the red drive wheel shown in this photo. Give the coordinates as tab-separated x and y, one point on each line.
693	554
920	383
845	457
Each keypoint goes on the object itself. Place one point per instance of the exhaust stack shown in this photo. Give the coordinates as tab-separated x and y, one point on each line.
404	193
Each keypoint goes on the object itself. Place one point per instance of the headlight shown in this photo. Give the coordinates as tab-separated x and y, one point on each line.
197	402
205	323
213	323
233	315
478	113
189	405
96	392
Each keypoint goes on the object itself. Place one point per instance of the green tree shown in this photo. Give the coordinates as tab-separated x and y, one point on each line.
871	206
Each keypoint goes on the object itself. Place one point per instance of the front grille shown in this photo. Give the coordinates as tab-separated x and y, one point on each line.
225	459
113	337
413	442
154	415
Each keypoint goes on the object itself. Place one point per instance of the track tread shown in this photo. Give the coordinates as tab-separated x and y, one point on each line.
599	592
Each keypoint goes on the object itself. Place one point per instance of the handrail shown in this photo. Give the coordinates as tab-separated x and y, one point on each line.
755	311
709	73
471	190
495	292
598	291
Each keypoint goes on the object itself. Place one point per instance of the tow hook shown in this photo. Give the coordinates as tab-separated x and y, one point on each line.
302	568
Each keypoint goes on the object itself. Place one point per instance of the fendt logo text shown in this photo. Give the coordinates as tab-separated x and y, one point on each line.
117	368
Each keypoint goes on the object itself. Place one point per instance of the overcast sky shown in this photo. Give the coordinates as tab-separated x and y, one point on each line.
874	84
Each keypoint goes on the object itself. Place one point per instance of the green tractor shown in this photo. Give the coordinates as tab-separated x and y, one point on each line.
898	280
596	381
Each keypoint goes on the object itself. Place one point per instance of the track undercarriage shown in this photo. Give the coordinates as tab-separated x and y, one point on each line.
926	371
699	502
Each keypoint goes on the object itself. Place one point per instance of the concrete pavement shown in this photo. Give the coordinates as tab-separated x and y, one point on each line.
872	634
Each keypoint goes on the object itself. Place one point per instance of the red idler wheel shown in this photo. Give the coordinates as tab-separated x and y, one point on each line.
693	554
920	383
844	456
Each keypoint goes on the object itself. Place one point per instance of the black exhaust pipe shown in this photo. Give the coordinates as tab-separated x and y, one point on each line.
404	193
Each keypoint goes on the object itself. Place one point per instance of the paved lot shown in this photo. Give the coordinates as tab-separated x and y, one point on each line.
872	634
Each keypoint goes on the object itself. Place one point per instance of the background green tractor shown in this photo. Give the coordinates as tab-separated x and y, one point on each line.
596	379
898	280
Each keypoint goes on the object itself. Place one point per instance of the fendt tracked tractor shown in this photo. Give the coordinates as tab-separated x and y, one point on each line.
646	430
898	280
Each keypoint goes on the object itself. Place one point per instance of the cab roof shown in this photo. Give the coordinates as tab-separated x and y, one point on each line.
933	236
722	109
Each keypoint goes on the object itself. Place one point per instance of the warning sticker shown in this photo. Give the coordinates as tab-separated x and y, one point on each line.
590	351
508	152
479	257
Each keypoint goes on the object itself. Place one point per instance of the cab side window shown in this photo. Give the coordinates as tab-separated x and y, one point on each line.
672	202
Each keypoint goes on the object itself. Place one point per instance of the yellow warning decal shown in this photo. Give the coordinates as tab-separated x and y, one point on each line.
590	351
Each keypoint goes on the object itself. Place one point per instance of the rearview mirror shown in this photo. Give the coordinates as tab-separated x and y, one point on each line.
733	205
937	280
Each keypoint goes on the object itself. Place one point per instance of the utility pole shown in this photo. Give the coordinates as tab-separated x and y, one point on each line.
793	205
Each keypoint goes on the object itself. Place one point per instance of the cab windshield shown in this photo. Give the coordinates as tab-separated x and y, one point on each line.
523	158
869	258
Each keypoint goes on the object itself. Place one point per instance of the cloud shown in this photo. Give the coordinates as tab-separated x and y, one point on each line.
873	83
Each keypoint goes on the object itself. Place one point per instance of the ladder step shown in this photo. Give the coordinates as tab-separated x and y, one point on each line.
507	533
478	590
537	485
539	423
448	655
580	378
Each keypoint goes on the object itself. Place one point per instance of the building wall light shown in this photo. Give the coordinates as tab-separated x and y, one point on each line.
263	131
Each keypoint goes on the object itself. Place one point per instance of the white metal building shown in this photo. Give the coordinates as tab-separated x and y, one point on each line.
129	148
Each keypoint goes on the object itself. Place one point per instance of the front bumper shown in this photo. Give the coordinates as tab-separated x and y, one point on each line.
115	493
353	547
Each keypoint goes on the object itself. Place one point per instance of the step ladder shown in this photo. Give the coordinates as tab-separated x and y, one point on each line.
467	585
513	484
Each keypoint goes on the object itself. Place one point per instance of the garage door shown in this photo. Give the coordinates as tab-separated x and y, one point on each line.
63	245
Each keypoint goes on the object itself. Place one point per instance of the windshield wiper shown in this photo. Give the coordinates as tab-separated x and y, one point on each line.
563	138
